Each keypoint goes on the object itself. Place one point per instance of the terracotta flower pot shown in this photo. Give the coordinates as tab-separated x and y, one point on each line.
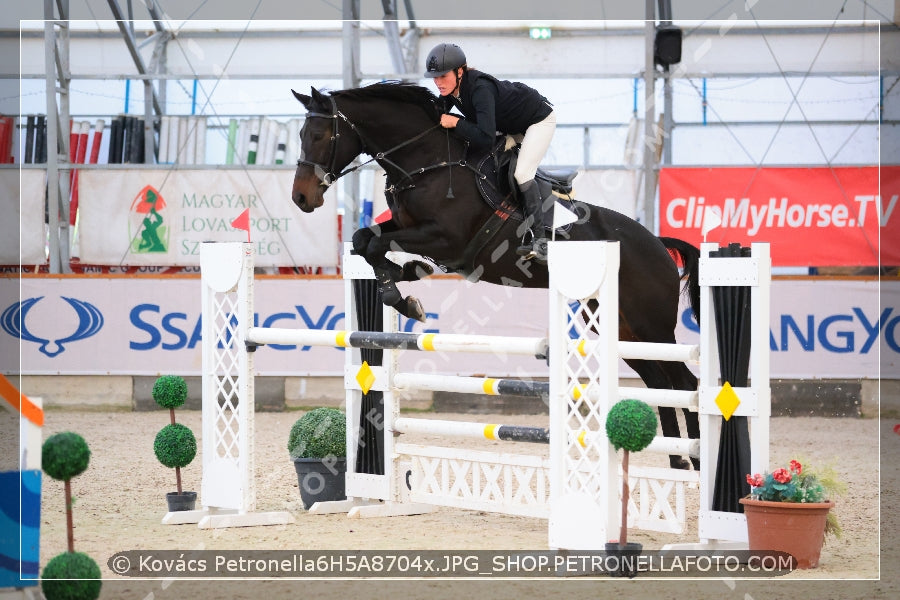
797	528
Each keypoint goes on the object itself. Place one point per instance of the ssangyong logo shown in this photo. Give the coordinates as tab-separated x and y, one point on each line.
90	321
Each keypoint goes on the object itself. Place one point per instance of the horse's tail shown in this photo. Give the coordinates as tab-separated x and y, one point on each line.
690	258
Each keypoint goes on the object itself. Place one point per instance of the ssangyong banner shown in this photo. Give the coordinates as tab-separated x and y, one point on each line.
156	217
819	329
818	217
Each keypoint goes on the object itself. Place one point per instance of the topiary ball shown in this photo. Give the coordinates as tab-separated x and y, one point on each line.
170	391
631	424
71	566
319	433
65	455
175	445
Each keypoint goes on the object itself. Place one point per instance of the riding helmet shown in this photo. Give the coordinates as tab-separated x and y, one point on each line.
442	59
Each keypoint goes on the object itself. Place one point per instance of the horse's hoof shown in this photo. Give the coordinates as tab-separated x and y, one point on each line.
410	308
676	462
415	270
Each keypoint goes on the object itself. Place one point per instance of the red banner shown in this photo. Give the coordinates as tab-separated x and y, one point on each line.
816	216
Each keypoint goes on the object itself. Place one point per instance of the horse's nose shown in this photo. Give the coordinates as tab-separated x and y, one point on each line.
300	201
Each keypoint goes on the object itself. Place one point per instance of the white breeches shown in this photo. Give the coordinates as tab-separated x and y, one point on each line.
534	147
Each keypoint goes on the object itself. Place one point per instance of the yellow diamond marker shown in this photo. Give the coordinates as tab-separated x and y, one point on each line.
727	401
365	377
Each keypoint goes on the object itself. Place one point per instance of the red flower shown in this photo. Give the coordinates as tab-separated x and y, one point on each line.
755	480
781	475
796	467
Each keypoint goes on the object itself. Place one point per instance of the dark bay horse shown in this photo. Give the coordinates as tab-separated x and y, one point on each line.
437	210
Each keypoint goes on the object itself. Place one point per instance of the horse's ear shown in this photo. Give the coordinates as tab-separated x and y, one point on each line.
318	96
303	98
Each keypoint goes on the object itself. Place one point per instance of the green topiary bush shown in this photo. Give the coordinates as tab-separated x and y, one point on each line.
170	391
65	455
631	424
319	433
71	566
175	445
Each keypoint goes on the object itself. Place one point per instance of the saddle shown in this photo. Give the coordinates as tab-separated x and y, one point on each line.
499	189
494	177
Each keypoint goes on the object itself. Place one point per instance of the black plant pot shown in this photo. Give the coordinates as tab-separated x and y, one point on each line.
627	558
320	480
183	501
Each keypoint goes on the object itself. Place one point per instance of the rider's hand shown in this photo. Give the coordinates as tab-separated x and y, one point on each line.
449	121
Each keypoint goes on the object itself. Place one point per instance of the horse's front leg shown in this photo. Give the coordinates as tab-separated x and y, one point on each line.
369	243
374	243
412	270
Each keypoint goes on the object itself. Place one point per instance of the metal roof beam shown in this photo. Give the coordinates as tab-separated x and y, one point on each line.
131	44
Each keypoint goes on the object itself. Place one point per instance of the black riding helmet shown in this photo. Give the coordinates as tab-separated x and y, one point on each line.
442	59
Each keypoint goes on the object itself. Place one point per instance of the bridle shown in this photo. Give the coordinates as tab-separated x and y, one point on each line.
325	172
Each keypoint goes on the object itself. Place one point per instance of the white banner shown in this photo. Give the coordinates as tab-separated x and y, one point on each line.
160	217
820	329
24	208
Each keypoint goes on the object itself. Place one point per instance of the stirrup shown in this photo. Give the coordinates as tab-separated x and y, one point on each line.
537	251
526	248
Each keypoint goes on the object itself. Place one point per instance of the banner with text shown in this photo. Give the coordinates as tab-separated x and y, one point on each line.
155	217
811	216
820	329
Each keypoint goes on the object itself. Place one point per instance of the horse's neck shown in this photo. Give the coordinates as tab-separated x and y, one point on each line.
391	129
409	147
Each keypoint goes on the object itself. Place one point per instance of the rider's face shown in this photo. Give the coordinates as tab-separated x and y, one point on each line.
446	83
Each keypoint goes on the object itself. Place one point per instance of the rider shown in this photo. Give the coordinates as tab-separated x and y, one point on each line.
490	105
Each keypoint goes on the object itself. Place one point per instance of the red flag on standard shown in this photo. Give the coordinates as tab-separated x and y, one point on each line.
243	222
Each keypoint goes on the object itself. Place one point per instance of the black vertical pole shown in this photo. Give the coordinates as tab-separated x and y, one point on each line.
127	135
731	306
370	317
29	140
113	136
139	141
40	139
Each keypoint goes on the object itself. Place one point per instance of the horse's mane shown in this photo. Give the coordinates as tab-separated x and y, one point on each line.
396	91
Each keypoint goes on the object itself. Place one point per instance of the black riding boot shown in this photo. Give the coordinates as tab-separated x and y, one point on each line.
536	250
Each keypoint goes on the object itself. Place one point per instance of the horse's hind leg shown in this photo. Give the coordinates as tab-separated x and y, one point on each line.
654	376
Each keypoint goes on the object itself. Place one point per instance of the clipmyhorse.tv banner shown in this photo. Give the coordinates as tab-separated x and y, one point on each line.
150	217
816	216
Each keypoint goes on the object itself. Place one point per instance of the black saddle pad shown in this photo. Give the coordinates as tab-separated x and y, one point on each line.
497	186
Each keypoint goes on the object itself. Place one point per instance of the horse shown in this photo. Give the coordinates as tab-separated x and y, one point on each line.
437	211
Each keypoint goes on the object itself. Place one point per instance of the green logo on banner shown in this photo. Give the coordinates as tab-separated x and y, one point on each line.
146	228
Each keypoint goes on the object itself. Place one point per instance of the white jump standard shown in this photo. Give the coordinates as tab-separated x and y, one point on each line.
575	487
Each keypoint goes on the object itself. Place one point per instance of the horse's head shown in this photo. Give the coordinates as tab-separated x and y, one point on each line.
327	145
